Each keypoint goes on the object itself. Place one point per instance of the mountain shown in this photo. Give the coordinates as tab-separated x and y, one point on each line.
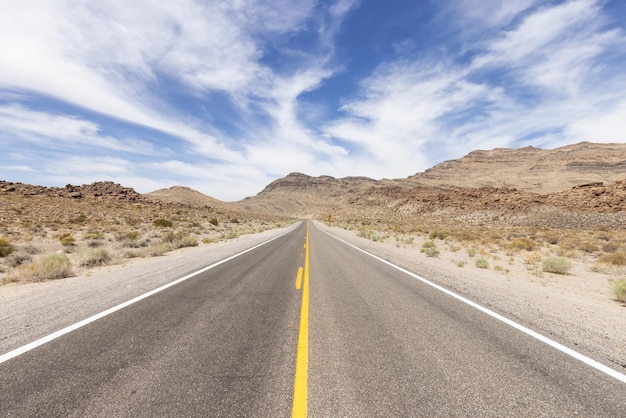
186	196
527	185
303	196
532	169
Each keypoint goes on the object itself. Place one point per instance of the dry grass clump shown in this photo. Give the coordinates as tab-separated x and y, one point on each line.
67	240
92	257
555	264
157	249
180	239
616	259
524	243
430	249
6	247
163	223
49	267
619	289
482	263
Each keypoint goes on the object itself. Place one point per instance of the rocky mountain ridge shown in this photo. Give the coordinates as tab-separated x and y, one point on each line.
506	184
499	184
98	190
532	169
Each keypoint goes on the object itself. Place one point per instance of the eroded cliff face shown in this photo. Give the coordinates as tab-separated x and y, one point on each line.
532	169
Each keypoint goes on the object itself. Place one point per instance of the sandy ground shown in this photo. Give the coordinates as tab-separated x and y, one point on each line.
575	309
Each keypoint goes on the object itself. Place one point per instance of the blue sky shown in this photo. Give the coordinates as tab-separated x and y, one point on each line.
226	96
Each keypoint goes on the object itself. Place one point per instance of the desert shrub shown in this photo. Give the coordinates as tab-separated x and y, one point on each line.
617	258
234	221
157	249
130	254
53	266
214	221
94	243
67	240
231	235
170	236
437	234
131	240
93	235
429	249
532	258
552	237
556	264
15	259
619	289
6	247
79	219
163	223
132	235
588	247
187	241
180	239
522	244
95	257
610	247
482	263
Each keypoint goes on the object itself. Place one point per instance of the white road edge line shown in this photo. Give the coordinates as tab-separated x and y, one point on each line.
25	348
575	354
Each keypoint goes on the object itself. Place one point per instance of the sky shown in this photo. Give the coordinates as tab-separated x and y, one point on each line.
227	96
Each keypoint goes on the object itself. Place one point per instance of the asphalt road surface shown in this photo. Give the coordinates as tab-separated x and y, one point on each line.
227	342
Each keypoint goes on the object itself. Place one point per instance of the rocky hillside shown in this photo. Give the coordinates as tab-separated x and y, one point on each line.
532	169
583	183
98	190
304	196
187	196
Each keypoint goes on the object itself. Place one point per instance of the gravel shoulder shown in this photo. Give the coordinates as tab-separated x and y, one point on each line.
576	310
34	310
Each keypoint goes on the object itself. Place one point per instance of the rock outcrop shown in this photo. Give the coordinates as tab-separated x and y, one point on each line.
98	190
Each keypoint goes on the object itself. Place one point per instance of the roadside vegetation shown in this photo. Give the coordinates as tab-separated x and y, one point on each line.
46	238
544	251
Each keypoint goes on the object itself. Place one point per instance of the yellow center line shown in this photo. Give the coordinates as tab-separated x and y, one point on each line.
299	408
299	279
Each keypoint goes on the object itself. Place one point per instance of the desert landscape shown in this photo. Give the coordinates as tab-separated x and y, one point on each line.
538	235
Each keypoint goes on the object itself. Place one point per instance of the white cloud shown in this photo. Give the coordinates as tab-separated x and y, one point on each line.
535	82
399	110
53	131
490	13
109	56
602	125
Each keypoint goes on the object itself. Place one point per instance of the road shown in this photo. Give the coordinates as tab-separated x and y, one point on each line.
227	341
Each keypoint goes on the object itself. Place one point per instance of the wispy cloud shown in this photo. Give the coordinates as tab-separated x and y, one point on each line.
530	82
227	96
51	131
